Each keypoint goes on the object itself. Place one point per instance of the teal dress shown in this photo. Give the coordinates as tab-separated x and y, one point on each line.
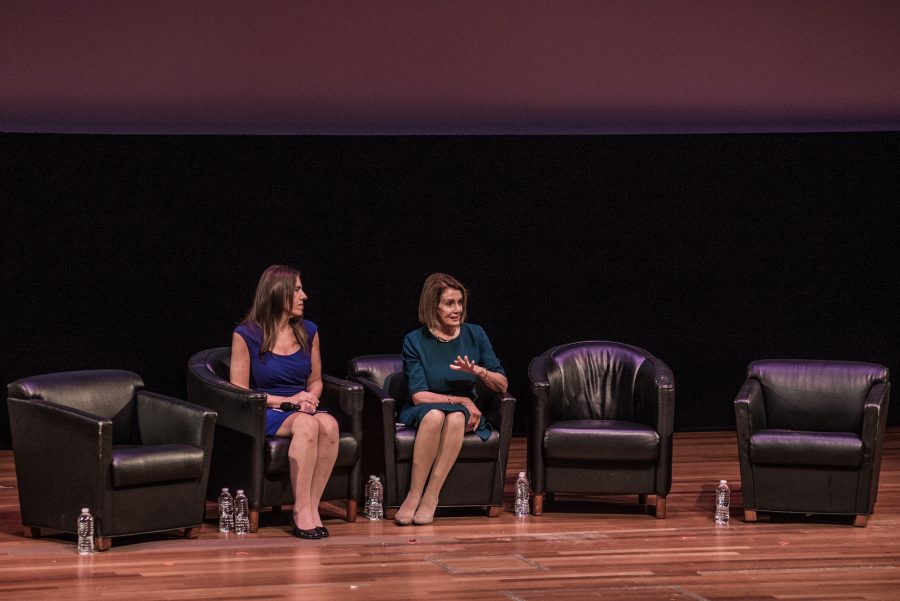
426	364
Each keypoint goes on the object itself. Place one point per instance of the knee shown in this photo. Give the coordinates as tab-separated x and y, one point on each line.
456	420
304	429
432	421
328	428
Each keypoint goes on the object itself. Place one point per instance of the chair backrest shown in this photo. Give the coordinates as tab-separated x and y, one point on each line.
593	380
218	361
107	393
817	396
375	367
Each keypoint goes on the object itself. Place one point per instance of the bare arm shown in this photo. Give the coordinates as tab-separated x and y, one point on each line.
493	380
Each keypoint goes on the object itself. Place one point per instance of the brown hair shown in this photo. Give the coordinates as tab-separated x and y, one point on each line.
434	286
274	296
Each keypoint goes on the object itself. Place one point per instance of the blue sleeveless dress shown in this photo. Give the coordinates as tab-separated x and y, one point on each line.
281	375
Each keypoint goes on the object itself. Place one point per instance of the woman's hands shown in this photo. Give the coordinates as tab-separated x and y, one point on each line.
474	412
305	401
463	364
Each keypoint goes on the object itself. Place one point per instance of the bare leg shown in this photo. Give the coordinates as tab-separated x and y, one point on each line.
304	432
326	455
448	450
428	438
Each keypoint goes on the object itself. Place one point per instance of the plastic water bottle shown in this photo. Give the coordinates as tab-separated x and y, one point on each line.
375	507
723	503
367	500
522	493
241	513
226	511
85	532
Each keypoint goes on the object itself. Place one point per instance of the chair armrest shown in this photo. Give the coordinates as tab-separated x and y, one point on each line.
658	390
346	397
239	409
540	419
749	409
166	420
374	392
62	457
875	417
342	394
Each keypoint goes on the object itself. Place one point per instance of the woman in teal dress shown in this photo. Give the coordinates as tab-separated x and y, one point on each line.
442	360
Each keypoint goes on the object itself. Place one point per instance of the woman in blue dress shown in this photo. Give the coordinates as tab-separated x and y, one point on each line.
442	360
275	351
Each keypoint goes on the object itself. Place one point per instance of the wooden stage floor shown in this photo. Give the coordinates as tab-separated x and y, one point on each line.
606	548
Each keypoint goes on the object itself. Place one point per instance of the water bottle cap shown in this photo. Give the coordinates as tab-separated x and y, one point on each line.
240	491
225	489
85	510
722	481
521	474
376	478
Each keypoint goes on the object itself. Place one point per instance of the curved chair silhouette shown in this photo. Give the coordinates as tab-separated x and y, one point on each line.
602	422
138	460
244	457
810	436
477	477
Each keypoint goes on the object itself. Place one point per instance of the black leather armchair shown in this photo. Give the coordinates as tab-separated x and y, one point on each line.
477	477
97	439
244	457
810	436
602	423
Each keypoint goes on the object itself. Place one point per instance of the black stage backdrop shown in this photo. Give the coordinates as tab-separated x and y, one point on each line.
710	251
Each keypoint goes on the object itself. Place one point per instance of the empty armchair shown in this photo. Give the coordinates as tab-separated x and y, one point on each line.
97	439
810	436
244	457
476	478
602	423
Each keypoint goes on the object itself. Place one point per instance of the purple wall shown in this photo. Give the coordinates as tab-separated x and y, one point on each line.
476	66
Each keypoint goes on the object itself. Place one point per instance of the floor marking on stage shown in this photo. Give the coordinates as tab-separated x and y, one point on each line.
485	563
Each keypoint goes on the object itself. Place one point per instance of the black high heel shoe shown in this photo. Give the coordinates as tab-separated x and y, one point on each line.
312	533
323	531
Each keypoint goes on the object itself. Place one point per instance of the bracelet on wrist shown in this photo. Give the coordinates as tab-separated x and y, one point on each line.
484	373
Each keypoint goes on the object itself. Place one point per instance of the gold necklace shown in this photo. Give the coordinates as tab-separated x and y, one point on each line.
441	338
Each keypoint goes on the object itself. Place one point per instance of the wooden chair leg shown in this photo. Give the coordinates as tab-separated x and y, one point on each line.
352	510
191	532
860	521
537	506
750	515
642	499
32	532
103	544
660	507
254	520
493	511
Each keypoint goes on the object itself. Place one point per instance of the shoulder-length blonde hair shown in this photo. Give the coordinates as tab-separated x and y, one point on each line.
434	286
274	297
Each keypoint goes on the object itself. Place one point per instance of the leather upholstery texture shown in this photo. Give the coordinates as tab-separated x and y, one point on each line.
476	478
245	458
603	416
138	460
810	435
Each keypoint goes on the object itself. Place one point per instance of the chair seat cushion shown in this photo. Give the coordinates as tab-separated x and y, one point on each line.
601	440
473	448
276	461
793	447
134	465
